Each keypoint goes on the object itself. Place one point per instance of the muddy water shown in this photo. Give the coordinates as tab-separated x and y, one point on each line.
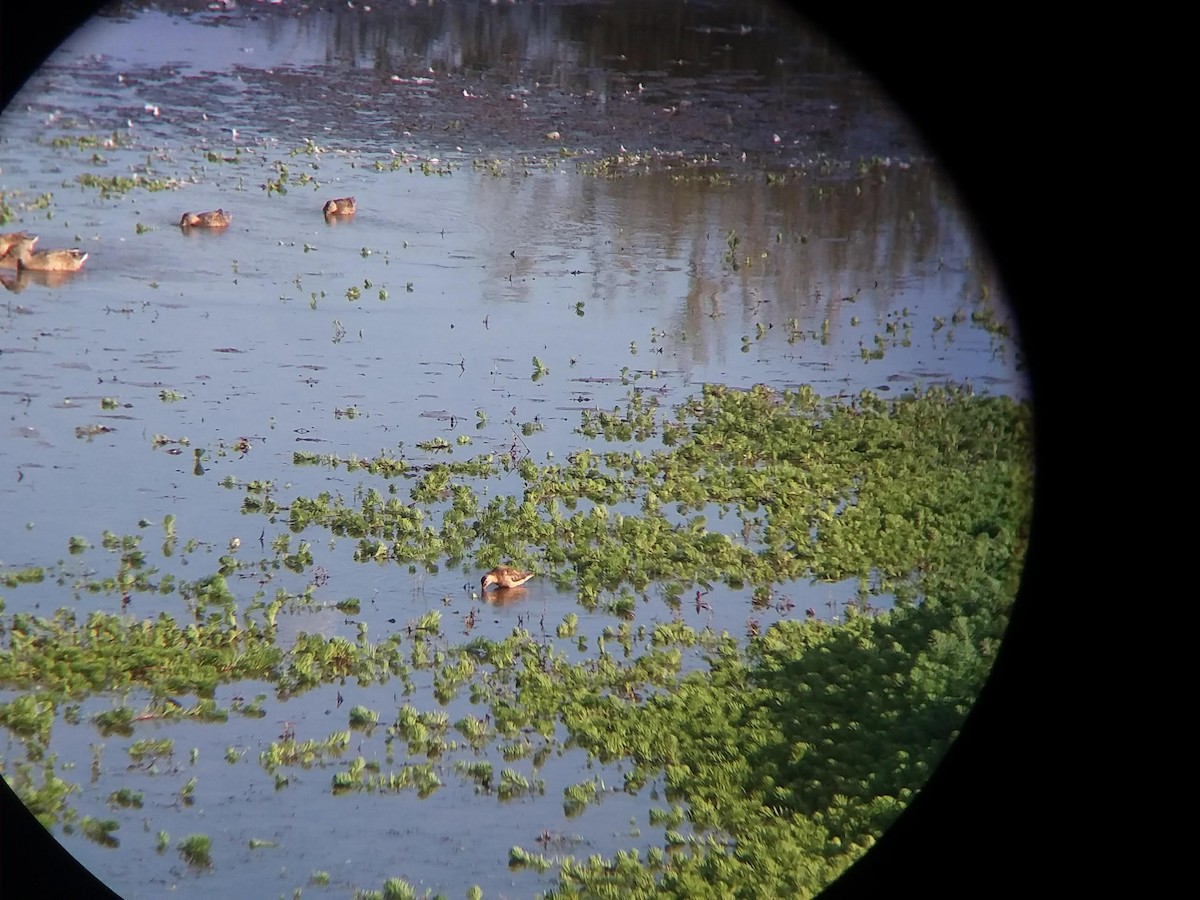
480	143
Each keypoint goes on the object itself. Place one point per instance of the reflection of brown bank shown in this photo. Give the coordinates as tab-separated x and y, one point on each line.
24	277
503	596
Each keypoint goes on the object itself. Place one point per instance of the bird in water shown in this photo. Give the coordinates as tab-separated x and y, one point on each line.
45	260
343	206
505	577
218	218
7	242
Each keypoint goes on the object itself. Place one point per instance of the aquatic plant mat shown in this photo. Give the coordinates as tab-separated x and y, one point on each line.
771	758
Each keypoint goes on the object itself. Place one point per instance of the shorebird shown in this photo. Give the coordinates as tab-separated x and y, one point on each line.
505	577
218	218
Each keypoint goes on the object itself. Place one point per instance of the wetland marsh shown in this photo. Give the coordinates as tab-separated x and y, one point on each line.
690	326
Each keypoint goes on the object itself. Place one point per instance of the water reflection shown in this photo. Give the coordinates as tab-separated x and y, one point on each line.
18	280
502	596
717	79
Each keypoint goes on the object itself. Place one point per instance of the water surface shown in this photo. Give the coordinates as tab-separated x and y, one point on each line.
641	198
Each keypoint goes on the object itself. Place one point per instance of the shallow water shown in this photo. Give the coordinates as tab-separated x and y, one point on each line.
480	243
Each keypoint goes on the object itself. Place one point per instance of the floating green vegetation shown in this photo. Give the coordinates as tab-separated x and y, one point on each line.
283	178
361	717
521	859
100	830
30	575
781	756
116	185
46	798
393	889
110	652
30	715
251	710
151	747
289	752
479	771
615	165
732	241
41	201
364	776
308	148
115	721
578	796
91	142
196	850
568	625
513	785
433	445
126	798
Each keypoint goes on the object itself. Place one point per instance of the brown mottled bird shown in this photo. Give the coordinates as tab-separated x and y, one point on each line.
343	206
218	218
46	260
7	241
505	577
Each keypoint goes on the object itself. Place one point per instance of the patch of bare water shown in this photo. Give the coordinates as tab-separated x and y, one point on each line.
475	139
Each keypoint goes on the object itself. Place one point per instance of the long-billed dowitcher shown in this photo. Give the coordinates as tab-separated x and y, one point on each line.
505	577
